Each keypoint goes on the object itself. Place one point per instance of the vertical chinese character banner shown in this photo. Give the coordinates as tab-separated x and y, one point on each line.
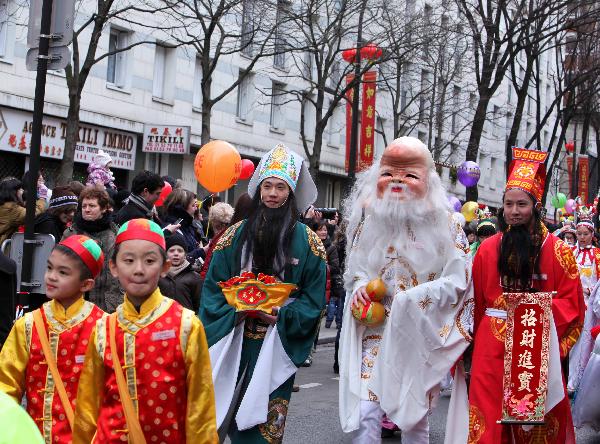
526	357
583	178
349	93
367	128
570	172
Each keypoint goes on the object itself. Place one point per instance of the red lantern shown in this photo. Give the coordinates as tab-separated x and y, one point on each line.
370	52
349	55
247	169
570	146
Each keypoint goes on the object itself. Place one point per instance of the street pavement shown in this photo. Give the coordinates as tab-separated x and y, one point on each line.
313	413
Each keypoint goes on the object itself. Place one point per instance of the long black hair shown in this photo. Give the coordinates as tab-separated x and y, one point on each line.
519	251
267	235
8	190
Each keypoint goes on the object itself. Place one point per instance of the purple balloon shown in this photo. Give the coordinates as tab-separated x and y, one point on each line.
469	173
455	203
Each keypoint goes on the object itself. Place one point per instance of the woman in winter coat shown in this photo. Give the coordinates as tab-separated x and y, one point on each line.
334	287
95	221
182	204
12	206
181	282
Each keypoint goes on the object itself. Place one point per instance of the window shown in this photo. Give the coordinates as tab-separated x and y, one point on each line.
277	101
545	139
248	26
115	73
423	93
4	24
509	93
160	66
280	43
309	118
197	94
509	122
455	108
335	75
494	173
495	123
528	132
244	98
404	86
472	101
548	96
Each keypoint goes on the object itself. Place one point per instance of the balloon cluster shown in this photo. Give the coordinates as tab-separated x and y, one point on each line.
218	166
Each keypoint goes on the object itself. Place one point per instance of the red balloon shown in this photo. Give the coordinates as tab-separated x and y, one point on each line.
247	169
163	194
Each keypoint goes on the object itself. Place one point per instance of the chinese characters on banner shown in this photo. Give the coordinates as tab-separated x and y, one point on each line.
349	95
526	357
583	178
166	139
367	127
583	175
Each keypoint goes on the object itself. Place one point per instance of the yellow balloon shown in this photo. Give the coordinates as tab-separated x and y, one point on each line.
469	210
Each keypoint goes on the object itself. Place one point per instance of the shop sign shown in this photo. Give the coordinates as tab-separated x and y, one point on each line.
166	139
15	136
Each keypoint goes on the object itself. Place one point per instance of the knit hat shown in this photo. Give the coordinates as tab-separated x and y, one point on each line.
175	239
88	250
61	197
141	229
102	158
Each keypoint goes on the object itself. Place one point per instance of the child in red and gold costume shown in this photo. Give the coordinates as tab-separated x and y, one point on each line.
522	257
160	388
44	353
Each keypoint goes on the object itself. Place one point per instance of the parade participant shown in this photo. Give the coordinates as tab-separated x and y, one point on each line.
485	228
181	282
43	355
588	262
400	230
160	386
261	354
522	257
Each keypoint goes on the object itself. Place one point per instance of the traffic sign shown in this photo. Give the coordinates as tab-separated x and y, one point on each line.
61	29
58	58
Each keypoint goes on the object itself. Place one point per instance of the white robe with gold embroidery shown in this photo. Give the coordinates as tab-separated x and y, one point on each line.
401	363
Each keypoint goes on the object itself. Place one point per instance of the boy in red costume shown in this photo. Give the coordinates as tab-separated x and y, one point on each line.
522	257
160	388
43	355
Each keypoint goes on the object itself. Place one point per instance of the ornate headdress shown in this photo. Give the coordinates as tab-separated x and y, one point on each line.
528	172
290	167
88	250
584	218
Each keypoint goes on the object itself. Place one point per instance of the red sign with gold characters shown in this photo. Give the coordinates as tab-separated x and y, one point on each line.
583	178
526	357
367	125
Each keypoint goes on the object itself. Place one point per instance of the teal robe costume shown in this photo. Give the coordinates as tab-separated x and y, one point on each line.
236	351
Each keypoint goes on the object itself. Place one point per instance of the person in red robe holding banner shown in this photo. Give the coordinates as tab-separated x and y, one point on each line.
522	257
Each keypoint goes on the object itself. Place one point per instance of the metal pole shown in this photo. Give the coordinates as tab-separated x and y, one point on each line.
574	166
355	101
34	157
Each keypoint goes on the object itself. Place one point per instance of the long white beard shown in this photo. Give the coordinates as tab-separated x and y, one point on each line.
416	229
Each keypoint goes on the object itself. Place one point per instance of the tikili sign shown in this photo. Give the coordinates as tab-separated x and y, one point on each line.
166	139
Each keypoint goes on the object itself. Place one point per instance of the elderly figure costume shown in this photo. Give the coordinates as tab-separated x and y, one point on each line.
400	231
552	268
255	362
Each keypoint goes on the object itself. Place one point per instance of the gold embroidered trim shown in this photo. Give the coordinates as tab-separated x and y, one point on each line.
101	336
129	367
58	326
466	314
28	328
316	246
227	238
186	328
565	258
272	430
49	390
425	303
134	327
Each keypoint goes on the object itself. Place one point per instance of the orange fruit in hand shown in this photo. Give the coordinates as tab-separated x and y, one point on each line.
376	289
372	314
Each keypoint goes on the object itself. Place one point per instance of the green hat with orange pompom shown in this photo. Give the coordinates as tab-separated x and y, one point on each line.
141	229
88	250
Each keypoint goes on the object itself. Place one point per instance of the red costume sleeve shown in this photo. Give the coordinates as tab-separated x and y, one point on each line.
478	291
568	306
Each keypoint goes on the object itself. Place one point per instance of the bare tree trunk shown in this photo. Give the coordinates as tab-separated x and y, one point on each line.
479	118
516	125
65	174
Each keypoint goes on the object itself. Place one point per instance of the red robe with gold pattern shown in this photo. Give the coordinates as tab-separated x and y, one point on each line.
558	272
23	367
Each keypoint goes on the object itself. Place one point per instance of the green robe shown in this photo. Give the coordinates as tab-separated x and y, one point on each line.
297	322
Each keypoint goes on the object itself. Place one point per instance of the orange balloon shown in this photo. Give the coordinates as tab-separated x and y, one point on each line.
217	166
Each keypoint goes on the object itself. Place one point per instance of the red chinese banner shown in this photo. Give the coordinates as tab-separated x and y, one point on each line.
526	357
367	128
583	179
349	93
570	171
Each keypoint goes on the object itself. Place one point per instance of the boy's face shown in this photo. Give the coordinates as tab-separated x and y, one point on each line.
176	255
138	266
63	278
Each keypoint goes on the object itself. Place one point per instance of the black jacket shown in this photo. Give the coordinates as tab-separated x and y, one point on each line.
48	224
135	210
185	288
